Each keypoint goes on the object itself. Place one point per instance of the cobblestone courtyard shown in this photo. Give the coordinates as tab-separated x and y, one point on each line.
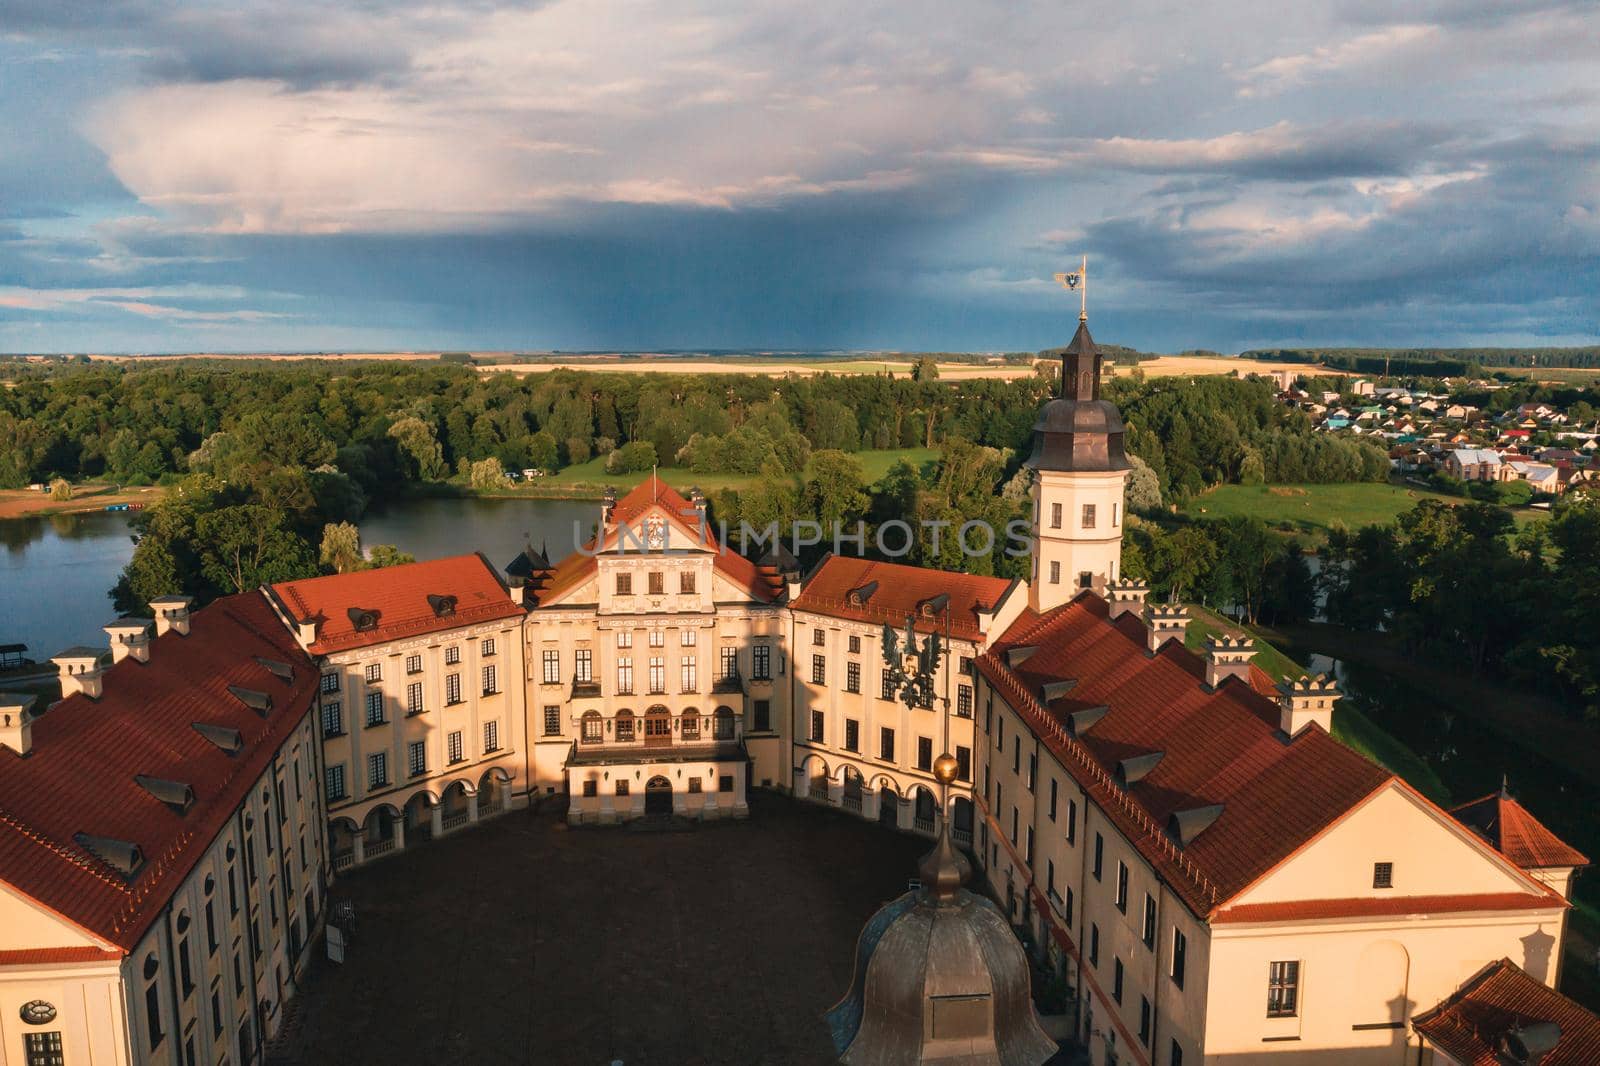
525	942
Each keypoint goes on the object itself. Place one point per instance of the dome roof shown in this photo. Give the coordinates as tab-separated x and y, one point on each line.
1078	430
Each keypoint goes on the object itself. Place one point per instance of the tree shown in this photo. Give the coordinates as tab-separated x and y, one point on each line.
383	555
834	489
341	547
60	489
416	440
488	474
925	369
1144	487
632	457
245	546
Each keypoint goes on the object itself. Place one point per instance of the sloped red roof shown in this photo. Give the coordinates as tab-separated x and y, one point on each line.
1386	906
42	956
1502	997
398	595
79	777
900	590
579	566
1220	747
1517	834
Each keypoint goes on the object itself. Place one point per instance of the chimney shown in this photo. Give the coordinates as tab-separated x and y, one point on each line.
172	614
1165	622
16	721
1126	595
1307	700
306	629
80	672
1228	657
130	637
608	503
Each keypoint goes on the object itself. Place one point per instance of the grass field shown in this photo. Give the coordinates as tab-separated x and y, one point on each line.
20	503
1314	508
589	478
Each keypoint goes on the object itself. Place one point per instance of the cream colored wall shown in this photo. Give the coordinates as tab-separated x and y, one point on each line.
1097	550
88	1001
606	807
26	924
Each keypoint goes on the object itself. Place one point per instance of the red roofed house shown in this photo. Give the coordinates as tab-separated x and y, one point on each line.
161	852
421	714
1502	1016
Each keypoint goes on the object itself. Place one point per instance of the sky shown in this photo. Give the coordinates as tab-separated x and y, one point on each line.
205	175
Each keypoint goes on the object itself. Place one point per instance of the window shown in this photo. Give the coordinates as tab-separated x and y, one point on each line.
658	583
1283	989
592	728
1027	852
330	682
1033	771
963	763
591	787
1383	875
1094	944
152	1001
1085	579
688	677
624	584
924	753
1072	821
725	783
1149	921
855	644
624	676
414	698
1122	886
1055	516
416	758
887	691
1180	955
42	1049
377	769
694	784
728	663
1099	855
886	744
552	720
453	746
852	677
965	666
658	674
583	665
658	639
374	708
552	666
817	722
763	715
1088	516
852	735
1116	979
452	689
1144	1021
452	655
491	737
1116	515
413	664
624	726
332	719
1050	877
1055	573
335	782
686	582
1052	811
486	646
1067	910
490	683
374	673
1013	823
1016	753
762	667
1175	1056
819	637
622	786
624	638
964	701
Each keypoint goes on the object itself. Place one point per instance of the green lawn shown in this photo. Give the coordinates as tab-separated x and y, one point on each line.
573	480
1350	727
1312	509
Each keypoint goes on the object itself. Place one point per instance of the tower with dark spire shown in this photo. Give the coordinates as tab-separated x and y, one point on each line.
1082	469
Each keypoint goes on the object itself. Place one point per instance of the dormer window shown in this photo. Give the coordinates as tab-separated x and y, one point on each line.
443	606
1383	875
362	619
175	794
120	855
259	702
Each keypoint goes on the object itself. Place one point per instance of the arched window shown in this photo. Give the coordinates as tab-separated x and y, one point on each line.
152	1000
725	728
690	724
593	727
624	725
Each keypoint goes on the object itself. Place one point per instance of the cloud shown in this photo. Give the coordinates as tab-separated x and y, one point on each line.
1387	45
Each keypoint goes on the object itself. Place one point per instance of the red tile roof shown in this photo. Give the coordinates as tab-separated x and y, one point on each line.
900	589
1386	907
42	956
1221	747
1516	834
575	569
399	597
1501	997
79	776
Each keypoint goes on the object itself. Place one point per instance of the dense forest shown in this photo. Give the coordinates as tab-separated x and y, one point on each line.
1434	362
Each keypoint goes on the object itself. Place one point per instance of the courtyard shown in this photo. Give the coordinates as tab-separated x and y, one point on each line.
524	941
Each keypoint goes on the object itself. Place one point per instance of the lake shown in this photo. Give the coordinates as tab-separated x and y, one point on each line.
56	572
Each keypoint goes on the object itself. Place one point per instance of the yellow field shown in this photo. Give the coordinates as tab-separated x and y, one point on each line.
947	371
1183	365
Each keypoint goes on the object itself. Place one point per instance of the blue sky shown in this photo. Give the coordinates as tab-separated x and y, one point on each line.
201	175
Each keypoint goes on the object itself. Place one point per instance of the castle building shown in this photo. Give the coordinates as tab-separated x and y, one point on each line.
1183	841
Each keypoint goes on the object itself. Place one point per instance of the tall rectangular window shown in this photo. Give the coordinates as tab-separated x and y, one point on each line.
452	689
852	735
963	763
1383	875
414	698
658	639
1116	979
452	655
377	769
1055	516
490	684
762	710
624	638
886	744
924	753
1144	1021
1094	944
1055	572
728	663
413	664
1175	1055
624	584
332	719
374	673
1099	855
688	674
1149	921
374	708
486	646
583	665
658	583
852	677
1072	821
1088	516
819	669
658	674
491	737
819	637
453	746
816	727
1052	811
335	782
416	758
551	658
330	682
1180	956
1122	886
855	644
964	701
1283	989
886	692
624	676
761	665
686	582
552	720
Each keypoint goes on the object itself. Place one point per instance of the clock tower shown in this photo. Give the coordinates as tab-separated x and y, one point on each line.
1081	468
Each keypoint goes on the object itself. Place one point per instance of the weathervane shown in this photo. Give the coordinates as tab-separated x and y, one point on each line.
1078	280
914	687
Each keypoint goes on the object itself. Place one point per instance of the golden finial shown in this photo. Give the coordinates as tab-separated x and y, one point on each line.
1078	281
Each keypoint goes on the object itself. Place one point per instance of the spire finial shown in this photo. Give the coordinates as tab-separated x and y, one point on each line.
944	869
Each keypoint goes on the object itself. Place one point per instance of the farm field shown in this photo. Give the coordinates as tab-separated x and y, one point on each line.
767	367
1314	508
1168	366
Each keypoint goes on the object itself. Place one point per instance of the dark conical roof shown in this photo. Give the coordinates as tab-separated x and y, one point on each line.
1078	430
